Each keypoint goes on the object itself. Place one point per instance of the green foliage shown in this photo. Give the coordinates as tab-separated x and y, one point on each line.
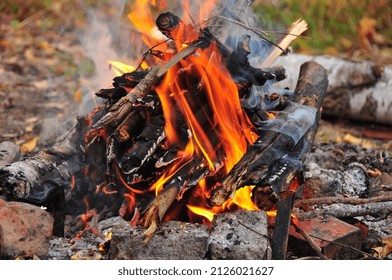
333	24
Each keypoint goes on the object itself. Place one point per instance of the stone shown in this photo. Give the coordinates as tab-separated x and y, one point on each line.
241	235
174	241
25	229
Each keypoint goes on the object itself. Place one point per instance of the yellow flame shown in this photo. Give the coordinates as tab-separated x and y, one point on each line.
120	68
201	211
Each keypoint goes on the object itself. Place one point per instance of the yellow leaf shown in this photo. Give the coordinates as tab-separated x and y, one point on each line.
46	47
351	139
385	250
29	128
78	96
29	146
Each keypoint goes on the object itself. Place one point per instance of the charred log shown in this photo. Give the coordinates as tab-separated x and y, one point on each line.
280	136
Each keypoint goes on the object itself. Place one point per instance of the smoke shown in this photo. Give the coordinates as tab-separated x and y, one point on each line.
104	38
107	38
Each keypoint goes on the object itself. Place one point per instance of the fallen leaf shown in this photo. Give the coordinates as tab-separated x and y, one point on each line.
86	255
42	84
29	146
368	34
351	139
78	96
385	250
29	128
374	172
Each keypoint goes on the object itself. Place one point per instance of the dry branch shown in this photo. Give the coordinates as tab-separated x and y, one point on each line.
306	203
346	211
310	241
123	107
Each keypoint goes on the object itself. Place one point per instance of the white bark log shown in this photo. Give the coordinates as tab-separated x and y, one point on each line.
357	90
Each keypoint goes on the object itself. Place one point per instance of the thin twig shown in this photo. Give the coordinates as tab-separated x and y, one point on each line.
255	231
310	241
345	246
255	30
39	14
343	200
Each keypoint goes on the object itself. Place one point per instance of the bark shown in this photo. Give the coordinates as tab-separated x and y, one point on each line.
356	89
35	179
306	203
346	210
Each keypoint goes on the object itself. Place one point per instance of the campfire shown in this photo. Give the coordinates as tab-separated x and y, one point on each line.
174	132
196	129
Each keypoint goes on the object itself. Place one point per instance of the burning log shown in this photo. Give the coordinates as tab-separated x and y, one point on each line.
274	162
284	141
171	129
139	141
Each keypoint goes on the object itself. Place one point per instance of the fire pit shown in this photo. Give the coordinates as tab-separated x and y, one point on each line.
194	146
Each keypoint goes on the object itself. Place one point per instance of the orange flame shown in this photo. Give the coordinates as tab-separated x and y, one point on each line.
242	199
227	121
142	19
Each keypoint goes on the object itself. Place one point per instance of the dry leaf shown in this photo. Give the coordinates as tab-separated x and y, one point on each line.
351	139
374	172
385	250
367	33
86	255
29	128
29	146
78	96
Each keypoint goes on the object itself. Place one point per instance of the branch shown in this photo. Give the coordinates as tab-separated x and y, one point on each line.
347	211
305	203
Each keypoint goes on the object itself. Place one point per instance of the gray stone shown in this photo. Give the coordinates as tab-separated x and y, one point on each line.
322	182
240	235
174	241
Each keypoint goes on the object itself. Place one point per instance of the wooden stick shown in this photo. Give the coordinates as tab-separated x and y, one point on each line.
123	107
310	241
297	28
305	203
276	142
347	211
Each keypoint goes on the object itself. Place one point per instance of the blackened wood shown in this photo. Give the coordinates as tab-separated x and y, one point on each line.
167	22
240	68
275	142
145	145
282	224
124	106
